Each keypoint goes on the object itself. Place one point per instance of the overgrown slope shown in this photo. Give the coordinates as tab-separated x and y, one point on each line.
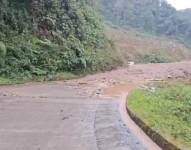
41	37
45	37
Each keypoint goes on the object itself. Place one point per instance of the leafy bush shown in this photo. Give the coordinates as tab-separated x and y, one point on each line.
154	58
2	53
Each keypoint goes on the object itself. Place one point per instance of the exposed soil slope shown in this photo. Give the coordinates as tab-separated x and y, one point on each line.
135	46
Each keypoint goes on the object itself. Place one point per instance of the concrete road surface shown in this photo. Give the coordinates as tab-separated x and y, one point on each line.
54	116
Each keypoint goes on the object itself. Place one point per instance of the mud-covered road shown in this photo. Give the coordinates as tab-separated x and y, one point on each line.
74	115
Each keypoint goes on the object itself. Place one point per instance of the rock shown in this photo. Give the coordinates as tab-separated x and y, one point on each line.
170	76
131	63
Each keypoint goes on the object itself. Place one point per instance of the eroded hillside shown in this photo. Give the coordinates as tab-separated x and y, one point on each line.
133	45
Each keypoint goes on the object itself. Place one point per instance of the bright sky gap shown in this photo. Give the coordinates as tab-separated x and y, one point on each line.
180	4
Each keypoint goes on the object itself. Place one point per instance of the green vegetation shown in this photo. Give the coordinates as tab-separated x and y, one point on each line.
153	16
167	110
19	79
42	38
2	53
154	58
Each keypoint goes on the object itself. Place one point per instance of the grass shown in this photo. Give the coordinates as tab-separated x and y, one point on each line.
166	110
4	81
56	77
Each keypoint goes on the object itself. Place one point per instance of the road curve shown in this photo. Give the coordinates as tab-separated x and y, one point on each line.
54	116
71	115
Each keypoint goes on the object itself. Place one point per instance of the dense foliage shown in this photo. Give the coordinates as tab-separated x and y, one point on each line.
155	16
39	37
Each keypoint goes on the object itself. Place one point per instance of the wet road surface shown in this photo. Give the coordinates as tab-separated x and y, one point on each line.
56	117
70	115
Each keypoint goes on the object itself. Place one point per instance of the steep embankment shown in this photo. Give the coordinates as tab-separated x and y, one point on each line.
43	38
40	38
154	16
153	31
133	45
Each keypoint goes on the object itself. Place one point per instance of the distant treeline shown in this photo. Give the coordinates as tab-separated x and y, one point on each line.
155	16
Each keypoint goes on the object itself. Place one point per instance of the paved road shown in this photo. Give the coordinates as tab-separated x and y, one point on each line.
65	115
53	116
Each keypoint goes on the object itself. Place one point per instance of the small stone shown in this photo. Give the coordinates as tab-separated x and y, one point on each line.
170	76
65	118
